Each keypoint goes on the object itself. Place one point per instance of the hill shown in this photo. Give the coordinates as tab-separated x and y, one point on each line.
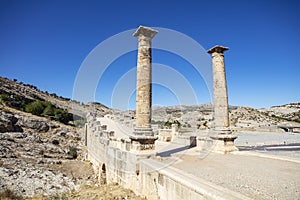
21	94
42	158
289	112
201	116
241	118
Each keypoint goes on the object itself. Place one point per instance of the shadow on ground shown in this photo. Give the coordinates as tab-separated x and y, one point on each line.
172	151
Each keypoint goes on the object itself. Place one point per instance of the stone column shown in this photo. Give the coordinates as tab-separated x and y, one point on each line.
223	136
221	119
143	132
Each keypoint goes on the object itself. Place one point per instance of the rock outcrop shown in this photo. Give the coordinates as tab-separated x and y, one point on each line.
8	122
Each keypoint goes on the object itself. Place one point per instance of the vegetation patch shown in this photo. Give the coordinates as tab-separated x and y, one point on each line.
47	109
72	152
8	194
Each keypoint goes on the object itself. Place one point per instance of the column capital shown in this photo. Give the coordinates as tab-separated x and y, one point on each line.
217	49
145	31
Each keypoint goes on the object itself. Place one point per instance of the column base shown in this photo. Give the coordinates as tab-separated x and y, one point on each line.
224	143
143	132
143	139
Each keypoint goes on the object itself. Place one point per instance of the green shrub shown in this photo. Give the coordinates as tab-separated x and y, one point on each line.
4	98
72	152
168	124
63	116
49	110
46	108
36	108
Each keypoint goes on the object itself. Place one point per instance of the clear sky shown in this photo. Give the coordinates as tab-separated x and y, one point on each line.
44	43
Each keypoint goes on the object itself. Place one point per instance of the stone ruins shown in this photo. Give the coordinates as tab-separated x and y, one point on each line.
223	138
143	133
128	156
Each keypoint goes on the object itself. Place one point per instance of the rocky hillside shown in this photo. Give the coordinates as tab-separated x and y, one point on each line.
34	154
41	158
24	93
201	116
290	112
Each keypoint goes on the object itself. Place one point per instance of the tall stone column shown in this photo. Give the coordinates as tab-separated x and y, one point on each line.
221	119
223	136
143	132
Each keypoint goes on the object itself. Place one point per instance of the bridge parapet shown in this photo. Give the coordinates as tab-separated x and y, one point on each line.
116	160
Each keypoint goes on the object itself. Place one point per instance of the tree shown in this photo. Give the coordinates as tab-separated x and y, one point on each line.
54	95
177	122
168	124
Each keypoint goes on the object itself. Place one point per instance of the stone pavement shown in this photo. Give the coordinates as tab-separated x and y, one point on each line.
260	170
252	176
120	131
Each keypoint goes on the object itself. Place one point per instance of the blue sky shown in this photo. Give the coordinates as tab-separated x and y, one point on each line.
44	43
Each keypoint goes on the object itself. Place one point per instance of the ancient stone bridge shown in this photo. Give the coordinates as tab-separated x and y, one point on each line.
130	157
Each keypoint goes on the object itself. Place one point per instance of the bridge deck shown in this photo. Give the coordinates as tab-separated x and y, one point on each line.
121	131
253	176
266	167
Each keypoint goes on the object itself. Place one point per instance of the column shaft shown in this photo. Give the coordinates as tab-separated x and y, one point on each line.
144	83
143	130
221	118
224	139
